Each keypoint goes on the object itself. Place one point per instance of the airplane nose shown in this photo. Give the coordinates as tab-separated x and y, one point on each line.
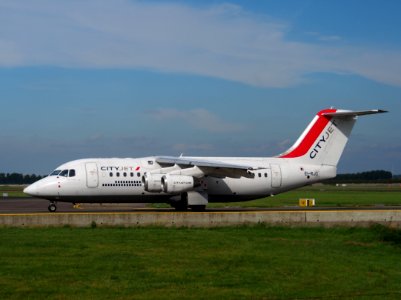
31	190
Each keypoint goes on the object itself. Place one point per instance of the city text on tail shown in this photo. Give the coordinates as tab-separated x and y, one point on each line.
191	182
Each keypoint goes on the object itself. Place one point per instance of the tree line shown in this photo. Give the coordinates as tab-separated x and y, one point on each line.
376	176
17	178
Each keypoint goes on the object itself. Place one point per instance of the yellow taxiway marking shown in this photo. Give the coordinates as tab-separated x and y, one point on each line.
150	211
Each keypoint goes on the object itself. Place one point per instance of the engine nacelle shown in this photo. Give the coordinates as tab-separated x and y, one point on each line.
177	183
152	182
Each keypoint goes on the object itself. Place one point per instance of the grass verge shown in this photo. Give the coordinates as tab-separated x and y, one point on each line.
12	190
329	195
235	263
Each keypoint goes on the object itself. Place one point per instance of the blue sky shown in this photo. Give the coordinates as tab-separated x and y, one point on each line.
215	78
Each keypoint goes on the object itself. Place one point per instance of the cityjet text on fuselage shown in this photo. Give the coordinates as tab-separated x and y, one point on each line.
119	168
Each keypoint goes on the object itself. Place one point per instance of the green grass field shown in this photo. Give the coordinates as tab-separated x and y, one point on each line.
328	195
12	190
176	263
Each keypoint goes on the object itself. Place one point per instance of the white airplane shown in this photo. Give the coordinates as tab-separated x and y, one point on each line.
191	182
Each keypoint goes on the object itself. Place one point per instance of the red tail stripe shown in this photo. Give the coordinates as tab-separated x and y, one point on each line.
311	136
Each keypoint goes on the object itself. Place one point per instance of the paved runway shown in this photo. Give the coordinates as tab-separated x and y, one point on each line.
33	205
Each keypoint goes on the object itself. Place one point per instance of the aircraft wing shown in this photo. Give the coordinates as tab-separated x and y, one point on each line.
208	167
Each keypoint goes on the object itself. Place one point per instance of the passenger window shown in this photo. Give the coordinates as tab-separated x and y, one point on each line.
125	174
118	174
71	173
132	174
139	174
265	174
111	174
63	173
260	175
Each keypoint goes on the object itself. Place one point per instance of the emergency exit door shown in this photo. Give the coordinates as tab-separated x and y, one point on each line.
92	177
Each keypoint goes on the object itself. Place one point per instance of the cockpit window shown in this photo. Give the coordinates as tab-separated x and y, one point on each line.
63	173
55	172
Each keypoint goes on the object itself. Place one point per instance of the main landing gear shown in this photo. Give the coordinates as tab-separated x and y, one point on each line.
52	207
197	202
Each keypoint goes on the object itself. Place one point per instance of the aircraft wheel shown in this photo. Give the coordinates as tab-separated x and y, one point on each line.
52	207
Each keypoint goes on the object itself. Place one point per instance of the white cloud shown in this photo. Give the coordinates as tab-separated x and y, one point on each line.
222	41
197	118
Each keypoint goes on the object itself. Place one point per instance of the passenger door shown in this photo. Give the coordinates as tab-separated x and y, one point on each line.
92	176
276	175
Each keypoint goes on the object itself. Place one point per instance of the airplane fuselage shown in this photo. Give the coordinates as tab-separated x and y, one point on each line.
121	180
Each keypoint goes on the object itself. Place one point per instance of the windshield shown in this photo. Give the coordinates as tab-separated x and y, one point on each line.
63	173
55	172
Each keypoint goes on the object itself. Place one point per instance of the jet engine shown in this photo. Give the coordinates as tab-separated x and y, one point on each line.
176	183
152	182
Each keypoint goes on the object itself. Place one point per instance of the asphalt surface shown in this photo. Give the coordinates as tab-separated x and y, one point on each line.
33	205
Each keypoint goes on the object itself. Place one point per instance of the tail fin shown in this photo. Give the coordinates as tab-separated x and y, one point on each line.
324	140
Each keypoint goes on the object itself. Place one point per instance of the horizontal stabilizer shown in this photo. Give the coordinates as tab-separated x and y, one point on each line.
348	113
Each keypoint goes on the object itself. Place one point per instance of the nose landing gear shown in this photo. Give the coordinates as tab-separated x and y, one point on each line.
52	207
